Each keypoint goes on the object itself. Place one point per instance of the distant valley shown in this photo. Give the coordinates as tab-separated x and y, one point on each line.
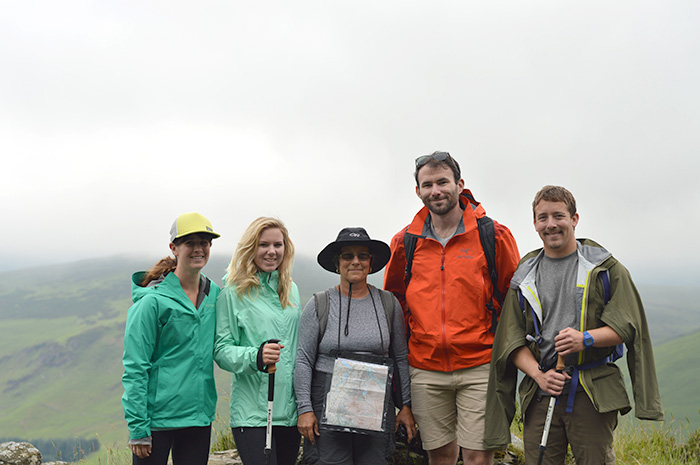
61	335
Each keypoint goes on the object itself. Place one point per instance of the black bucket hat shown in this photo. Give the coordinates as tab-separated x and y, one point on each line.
354	236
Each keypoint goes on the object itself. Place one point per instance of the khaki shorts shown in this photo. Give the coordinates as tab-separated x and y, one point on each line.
450	405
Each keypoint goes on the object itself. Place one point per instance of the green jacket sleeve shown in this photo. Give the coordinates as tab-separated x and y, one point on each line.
228	353
140	338
625	314
503	375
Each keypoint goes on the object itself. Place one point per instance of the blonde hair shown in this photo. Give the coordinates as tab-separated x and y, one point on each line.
243	272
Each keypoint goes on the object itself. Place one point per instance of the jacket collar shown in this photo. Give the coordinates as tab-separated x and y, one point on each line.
471	210
590	256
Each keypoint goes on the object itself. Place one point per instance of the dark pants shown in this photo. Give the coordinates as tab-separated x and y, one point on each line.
250	443
341	448
590	433
190	446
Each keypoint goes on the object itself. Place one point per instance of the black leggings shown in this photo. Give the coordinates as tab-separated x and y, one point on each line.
250	443
190	446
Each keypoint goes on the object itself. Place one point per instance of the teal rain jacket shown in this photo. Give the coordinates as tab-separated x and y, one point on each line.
242	325
168	357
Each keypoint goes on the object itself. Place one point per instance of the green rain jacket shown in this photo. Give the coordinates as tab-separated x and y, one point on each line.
604	384
168	357
242	325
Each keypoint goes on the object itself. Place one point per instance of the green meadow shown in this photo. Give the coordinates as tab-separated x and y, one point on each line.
61	342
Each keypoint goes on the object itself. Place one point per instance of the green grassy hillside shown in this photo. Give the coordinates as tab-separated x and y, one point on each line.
61	341
61	330
671	311
678	369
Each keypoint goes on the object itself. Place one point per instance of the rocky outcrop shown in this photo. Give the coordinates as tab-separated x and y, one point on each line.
226	457
22	453
19	453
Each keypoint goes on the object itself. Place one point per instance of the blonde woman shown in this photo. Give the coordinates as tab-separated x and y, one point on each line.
260	304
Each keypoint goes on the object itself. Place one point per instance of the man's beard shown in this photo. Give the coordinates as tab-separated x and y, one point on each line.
448	204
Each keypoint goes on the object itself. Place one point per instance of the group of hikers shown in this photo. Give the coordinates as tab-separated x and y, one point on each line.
460	314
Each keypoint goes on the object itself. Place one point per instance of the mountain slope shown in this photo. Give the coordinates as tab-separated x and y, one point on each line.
678	370
61	335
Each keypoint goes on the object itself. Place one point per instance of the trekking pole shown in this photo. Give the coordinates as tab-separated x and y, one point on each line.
270	398
550	411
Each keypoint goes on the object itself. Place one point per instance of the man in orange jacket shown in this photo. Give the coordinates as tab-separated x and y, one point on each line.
445	306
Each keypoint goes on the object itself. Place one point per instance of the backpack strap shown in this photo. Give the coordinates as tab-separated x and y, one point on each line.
388	304
605	278
409	246
323	304
538	336
487	236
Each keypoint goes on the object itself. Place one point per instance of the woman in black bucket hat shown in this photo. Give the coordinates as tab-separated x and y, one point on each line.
353	324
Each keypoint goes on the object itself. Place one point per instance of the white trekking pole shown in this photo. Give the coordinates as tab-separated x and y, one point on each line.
270	400
550	411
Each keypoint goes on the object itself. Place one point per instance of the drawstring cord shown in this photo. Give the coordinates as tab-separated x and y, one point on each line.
347	317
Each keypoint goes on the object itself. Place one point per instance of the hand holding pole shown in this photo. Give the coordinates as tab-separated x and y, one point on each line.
270	400
550	410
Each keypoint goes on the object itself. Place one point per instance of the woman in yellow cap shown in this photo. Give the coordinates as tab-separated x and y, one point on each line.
257	315
169	392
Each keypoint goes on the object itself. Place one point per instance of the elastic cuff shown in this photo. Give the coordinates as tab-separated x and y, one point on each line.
147	441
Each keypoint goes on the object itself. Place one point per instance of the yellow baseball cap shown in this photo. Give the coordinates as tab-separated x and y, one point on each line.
191	223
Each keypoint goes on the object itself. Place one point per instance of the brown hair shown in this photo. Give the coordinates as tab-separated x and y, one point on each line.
162	268
242	271
448	162
555	194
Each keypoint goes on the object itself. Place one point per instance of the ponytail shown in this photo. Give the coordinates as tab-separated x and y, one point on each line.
162	268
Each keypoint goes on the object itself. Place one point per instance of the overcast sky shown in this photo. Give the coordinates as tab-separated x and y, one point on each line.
116	116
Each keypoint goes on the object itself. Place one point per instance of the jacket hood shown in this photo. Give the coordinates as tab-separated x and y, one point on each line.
164	287
587	249
137	290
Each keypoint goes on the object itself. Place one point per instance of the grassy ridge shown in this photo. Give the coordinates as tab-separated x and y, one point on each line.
671	311
679	361
61	336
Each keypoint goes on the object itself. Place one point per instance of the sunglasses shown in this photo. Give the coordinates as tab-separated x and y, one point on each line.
437	156
362	256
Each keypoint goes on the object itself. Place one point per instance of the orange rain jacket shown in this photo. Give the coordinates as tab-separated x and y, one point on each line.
445	303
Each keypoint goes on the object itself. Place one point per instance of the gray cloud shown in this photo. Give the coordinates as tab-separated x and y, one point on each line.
117	116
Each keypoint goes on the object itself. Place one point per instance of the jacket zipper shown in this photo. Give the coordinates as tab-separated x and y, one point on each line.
583	326
444	313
